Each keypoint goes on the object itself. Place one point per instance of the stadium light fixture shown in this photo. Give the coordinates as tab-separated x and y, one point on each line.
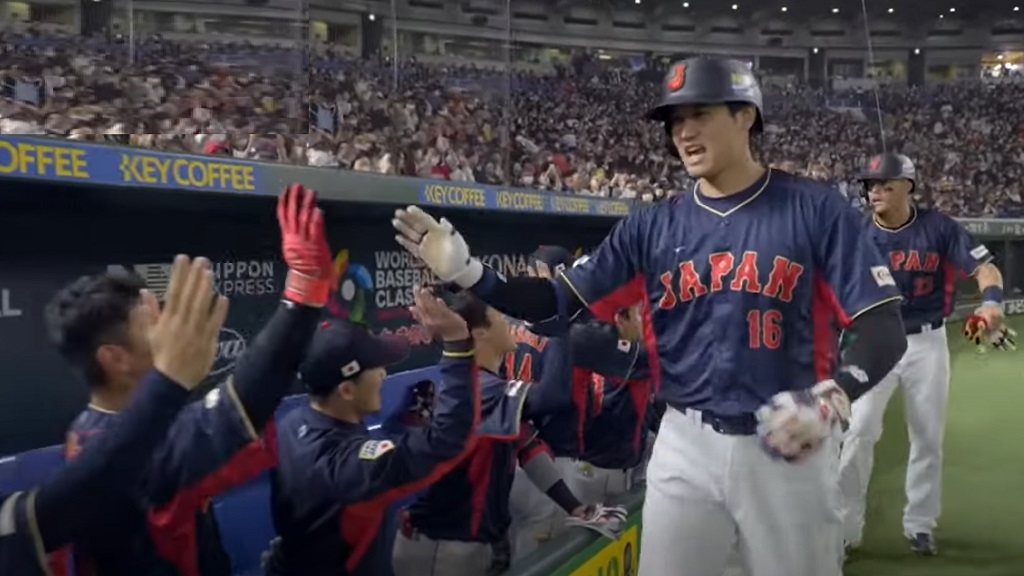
941	16
784	8
835	10
917	50
371	17
952	10
735	7
891	10
686	4
1016	8
814	50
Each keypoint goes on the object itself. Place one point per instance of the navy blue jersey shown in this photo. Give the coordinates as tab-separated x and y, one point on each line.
471	503
742	295
926	256
334	483
167	526
616	375
557	403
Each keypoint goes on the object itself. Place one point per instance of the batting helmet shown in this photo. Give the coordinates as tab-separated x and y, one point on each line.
708	81
887	166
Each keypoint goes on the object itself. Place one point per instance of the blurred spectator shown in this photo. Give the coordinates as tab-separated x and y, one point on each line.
577	130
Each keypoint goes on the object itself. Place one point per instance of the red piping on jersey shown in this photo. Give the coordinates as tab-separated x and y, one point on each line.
950	272
825	310
639	392
533	448
172	526
360	523
625	296
478	471
580	394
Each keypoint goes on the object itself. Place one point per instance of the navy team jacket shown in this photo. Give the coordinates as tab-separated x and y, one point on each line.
570	396
618	374
211	448
471	503
334	483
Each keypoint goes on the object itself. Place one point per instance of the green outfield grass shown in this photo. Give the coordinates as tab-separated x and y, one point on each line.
981	532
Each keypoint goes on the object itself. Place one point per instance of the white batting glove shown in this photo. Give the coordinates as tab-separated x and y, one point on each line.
438	244
794	424
608	521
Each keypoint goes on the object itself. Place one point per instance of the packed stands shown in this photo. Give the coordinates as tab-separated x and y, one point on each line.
575	128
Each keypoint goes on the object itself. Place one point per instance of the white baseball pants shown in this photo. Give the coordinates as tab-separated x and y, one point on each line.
708	493
923	373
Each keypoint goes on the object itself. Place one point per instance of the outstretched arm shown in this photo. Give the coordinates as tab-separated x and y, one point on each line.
607	281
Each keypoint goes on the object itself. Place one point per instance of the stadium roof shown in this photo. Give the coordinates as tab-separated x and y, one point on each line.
912	10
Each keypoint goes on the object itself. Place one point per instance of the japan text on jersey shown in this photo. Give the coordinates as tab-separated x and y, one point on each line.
744	294
927	255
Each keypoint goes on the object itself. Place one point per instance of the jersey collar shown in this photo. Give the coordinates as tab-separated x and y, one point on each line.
751	193
884	228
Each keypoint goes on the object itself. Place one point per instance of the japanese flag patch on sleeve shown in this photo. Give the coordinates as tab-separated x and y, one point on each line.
374	449
882	276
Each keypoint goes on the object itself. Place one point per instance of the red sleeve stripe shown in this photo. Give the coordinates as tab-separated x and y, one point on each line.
372	511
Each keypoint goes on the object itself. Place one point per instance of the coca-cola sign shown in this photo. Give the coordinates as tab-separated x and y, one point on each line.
230	347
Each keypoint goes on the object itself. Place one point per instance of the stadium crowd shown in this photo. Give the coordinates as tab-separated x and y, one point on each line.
576	130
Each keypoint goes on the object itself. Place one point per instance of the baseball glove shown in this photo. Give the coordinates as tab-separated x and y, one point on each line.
977	331
608	521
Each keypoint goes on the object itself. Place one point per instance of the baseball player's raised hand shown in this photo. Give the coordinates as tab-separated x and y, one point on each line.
608	521
795	423
183	337
434	315
438	244
986	328
311	273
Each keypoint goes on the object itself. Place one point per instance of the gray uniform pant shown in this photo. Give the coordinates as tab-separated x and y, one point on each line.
417	555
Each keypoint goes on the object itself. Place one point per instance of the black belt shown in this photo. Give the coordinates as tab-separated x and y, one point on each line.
928	327
738	425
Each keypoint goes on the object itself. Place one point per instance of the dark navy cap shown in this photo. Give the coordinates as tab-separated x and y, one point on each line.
555	257
342	350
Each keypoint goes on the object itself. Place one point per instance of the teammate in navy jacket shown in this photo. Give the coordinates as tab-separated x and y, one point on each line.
927	251
334	483
166	525
184	342
617	420
451	527
743	281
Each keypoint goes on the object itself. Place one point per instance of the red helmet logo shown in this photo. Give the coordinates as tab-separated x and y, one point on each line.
677	78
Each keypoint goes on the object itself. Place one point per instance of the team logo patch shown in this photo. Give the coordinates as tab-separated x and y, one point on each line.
882	276
373	449
857	372
624	345
979	252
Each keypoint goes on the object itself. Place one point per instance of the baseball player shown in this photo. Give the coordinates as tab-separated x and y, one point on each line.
99	325
334	483
743	281
450	529
598	353
75	502
926	251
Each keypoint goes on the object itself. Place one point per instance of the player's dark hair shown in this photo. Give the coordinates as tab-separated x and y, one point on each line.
472	309
88	313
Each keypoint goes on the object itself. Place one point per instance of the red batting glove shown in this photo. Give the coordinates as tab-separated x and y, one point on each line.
311	275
